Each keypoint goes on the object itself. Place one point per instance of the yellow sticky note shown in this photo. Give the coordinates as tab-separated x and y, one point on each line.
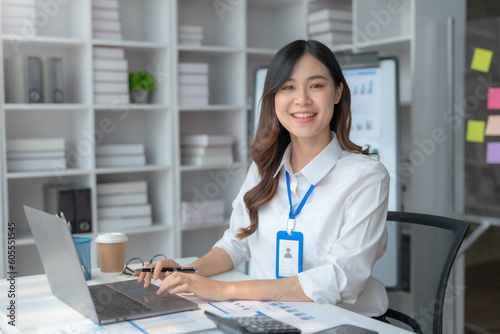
475	131
481	60
493	126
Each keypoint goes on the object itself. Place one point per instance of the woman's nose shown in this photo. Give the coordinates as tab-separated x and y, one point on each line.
302	97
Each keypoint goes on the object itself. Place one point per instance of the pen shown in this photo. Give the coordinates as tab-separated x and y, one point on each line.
179	269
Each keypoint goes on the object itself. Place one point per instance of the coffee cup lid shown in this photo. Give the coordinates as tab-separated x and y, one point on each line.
109	238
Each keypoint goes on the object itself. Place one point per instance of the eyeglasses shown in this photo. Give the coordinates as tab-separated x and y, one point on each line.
135	261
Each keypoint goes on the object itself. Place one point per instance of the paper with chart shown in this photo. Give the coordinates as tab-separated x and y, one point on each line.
365	102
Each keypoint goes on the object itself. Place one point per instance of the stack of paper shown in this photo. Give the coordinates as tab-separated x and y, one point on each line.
204	149
106	20
18	17
122	205
120	155
197	213
110	76
192	35
31	154
331	26
193	84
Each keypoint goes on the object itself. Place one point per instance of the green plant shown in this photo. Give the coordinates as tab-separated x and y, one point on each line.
141	80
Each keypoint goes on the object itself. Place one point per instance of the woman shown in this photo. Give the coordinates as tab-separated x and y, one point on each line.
324	247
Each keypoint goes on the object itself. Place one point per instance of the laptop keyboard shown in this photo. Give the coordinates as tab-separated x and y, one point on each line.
110	302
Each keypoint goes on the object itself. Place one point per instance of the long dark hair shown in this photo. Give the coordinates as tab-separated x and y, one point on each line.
272	139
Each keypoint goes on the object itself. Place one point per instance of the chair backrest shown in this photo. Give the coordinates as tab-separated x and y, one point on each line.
427	246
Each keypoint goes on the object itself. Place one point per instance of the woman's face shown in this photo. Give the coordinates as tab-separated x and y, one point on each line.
304	103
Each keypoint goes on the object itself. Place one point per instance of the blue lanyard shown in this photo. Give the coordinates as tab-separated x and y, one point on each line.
292	215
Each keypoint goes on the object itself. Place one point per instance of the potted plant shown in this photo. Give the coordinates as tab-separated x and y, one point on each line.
141	84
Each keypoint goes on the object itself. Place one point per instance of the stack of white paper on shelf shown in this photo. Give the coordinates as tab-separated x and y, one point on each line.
198	213
18	17
106	20
122	205
190	35
110	76
205	149
30	154
193	84
331	26
120	155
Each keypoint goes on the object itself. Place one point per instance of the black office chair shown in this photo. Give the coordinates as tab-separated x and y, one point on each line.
426	249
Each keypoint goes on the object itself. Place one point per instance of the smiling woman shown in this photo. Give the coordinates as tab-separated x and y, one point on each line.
312	199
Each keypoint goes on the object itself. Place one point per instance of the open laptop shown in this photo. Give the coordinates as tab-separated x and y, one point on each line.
101	303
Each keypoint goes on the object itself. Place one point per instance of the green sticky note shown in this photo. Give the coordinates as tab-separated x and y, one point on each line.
475	131
481	60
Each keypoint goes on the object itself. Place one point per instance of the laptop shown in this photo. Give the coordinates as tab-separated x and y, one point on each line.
101	303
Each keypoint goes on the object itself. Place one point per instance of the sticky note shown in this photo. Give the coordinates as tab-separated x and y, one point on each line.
481	60
494	98
493	126
475	131
493	153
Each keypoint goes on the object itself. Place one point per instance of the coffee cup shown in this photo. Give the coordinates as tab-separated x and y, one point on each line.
111	252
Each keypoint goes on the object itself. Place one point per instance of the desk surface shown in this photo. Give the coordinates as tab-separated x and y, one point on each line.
35	304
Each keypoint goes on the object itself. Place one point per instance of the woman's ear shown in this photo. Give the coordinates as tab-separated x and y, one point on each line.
338	92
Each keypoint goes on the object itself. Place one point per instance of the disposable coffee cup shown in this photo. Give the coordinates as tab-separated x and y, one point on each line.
111	252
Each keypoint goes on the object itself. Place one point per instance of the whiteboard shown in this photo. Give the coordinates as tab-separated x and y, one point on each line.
375	122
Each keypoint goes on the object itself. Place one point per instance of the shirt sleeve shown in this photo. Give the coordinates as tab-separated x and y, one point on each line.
237	248
362	241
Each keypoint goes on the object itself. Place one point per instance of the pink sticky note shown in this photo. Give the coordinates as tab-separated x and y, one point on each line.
494	98
493	126
493	153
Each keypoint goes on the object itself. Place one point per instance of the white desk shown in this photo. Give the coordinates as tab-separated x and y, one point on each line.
35	304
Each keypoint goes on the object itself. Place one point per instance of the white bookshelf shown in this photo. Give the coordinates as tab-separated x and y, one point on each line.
238	37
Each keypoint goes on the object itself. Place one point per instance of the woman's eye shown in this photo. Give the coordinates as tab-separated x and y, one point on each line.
287	87
315	86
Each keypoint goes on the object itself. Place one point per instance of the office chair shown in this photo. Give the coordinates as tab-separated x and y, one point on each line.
426	249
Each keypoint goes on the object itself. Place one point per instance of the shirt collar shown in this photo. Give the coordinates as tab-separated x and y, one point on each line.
319	166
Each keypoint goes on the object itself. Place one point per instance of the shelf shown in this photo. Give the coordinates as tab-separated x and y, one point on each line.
138	45
148	229
390	43
47	173
211	108
132	106
45	106
204	226
133	169
261	51
206	49
49	41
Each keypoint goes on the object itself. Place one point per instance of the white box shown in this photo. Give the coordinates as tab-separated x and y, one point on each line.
195	79
207	140
332	38
106	87
106	25
105	14
187	67
35	144
193	90
113	225
105	52
196	160
110	76
45	154
109	4
121	161
190	29
330	14
119	149
36	164
193	101
129	187
190	37
111	65
107	35
124	211
330	26
116	99
122	199
206	151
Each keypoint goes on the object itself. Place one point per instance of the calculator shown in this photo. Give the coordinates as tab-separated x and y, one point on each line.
261	324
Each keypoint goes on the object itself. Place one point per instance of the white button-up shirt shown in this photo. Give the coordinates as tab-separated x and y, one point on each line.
343	223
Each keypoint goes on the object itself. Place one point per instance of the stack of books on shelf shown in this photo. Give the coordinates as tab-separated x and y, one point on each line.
122	205
18	17
199	213
190	35
205	149
193	84
110	76
331	26
106	20
120	155
30	154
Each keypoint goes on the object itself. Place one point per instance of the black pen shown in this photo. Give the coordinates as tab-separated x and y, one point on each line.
179	269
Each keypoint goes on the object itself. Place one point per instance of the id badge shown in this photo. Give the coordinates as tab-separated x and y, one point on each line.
288	253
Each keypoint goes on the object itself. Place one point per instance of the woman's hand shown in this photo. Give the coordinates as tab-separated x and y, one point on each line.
203	287
157	274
